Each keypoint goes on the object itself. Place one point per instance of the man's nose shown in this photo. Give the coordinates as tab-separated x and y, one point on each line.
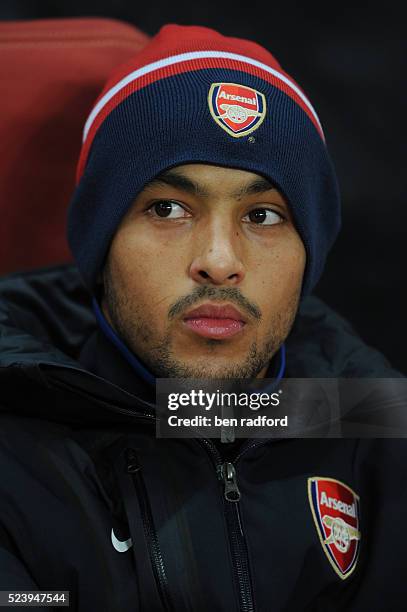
217	255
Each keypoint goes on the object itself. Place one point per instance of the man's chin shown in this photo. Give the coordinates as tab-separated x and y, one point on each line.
167	361
209	370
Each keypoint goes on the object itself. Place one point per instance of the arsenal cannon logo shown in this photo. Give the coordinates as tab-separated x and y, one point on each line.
238	109
335	508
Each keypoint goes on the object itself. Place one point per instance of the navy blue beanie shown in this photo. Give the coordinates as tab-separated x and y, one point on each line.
193	95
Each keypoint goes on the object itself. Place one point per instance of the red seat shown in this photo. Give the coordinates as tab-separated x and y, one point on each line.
50	74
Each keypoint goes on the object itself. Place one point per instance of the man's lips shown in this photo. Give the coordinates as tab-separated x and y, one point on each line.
212	321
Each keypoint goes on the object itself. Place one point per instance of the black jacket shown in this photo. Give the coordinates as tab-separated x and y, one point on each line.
79	458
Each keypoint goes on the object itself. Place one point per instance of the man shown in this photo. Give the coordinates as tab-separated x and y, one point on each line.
205	207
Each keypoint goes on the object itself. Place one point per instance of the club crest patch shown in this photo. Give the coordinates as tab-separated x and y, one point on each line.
238	109
335	509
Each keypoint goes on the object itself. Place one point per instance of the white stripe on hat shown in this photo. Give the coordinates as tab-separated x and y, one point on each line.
184	57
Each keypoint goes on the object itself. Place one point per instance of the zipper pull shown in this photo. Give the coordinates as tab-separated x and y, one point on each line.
228	475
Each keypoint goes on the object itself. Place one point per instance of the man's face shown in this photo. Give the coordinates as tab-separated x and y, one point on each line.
215	239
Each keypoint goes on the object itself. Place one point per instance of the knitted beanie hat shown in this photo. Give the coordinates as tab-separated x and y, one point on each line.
193	95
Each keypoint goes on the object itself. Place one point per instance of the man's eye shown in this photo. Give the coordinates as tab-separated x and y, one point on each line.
263	216
167	209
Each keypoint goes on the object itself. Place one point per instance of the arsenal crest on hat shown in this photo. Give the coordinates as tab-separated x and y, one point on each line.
335	508
238	109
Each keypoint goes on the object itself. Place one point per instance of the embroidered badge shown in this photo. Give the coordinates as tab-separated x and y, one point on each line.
335	508
238	109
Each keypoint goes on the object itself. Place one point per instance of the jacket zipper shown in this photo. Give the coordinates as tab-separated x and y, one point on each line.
157	562
226	472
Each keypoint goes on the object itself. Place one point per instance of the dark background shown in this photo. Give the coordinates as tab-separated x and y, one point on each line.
351	61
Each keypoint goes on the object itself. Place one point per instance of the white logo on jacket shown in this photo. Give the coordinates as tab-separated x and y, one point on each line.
121	545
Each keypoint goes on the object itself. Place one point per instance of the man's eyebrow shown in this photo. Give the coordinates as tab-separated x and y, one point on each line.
180	181
259	185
